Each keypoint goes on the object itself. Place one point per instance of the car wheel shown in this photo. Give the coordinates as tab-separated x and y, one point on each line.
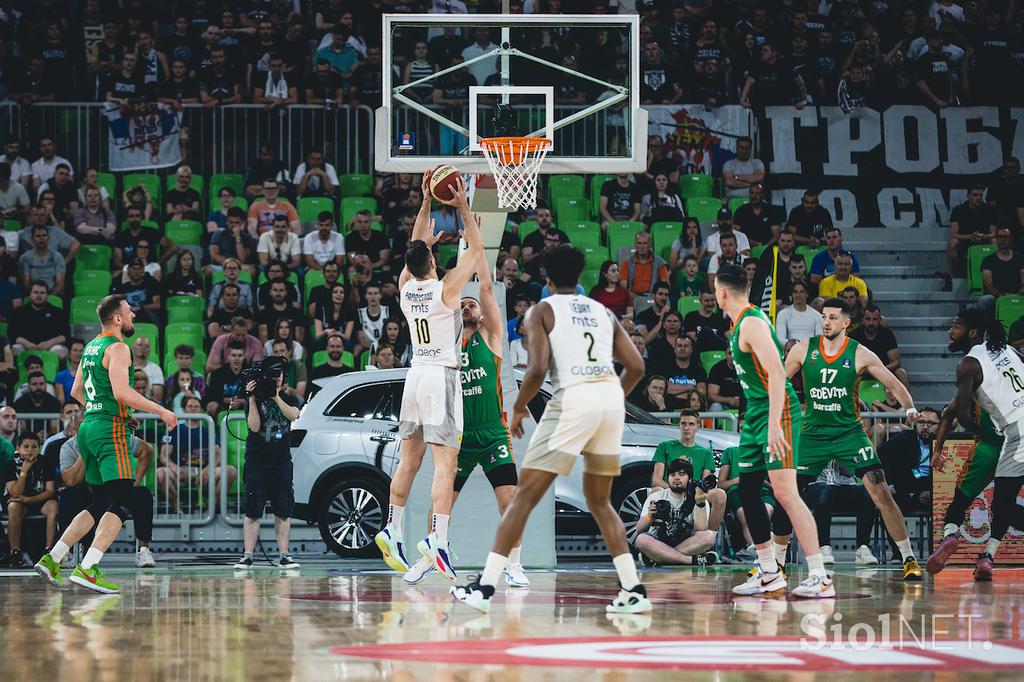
353	512
628	499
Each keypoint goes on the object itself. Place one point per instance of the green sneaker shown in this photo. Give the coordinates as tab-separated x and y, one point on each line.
50	569
93	579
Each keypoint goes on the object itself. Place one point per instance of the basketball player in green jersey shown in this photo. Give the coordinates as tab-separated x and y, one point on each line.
103	385
485	438
832	365
768	442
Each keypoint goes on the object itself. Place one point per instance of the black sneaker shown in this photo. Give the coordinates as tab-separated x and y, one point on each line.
17	559
244	563
705	559
474	594
286	562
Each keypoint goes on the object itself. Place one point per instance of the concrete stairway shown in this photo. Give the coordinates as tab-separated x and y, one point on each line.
898	266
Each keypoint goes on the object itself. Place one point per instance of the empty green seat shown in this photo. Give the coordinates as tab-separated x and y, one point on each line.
355	184
83	309
93	256
235	181
704	209
92	282
687	304
710	358
1009	309
565	186
596	182
582	232
663	234
571	209
696	185
310	208
185	309
108	181
870	391
184	232
736	202
975	254
621	234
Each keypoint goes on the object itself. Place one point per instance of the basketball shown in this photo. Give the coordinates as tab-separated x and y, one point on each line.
442	182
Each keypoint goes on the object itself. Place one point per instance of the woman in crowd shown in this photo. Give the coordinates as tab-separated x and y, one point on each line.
283	332
689	243
661	204
398	337
91	180
336	319
184	280
183	387
610	293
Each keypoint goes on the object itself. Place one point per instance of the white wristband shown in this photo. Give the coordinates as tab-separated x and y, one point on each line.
912	413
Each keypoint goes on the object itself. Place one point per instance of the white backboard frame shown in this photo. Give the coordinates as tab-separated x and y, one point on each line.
384	161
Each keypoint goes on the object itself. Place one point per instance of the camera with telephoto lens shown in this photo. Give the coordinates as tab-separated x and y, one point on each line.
265	375
662	513
707	484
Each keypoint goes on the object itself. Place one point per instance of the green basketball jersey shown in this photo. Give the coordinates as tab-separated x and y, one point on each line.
831	386
988	429
752	376
482	404
99	396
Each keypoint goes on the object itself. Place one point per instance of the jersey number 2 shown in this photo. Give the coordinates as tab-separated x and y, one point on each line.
422	331
590	349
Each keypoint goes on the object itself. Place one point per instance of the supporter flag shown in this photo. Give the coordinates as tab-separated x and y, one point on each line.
764	287
699	139
143	136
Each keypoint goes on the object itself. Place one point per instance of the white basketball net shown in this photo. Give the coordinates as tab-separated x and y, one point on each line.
515	163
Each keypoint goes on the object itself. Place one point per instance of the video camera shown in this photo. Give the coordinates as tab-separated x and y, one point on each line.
707	484
265	374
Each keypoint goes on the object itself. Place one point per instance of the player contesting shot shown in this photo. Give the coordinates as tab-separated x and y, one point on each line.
992	375
576	338
431	411
769	442
103	385
832	366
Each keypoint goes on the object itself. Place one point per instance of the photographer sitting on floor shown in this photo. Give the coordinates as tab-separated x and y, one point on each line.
675	528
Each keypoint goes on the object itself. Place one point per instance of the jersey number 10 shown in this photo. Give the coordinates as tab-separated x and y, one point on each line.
422	331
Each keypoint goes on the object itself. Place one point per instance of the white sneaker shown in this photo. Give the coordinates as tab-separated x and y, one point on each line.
418	571
392	549
144	558
630	601
815	587
438	556
515	576
474	594
826	555
761	583
864	557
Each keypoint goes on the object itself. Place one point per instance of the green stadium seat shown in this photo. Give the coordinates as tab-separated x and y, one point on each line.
185	309
51	364
621	234
445	252
350	206
703	208
975	254
52	299
150	181
355	185
757	251
582	233
696	185
151	332
145	223
595	256
108	181
234	449
687	304
184	232
565	186
663	234
92	283
870	391
1009	309
243	277
313	279
808	253
571	209
83	309
710	358
235	181
589	279
320	357
736	202
311	207
172	340
95	256
240	202
526	228
197	183
364	359
12	225
596	182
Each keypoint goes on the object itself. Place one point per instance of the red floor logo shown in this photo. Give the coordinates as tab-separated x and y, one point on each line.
702	653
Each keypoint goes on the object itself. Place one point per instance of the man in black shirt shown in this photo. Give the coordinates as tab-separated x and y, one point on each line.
323	86
265	167
29	488
1006	194
279	309
321	293
366	81
649	321
180	88
34	86
332	368
879	340
773	82
620	200
141	291
125	86
1002	273
40	325
535	242
706	326
759	220
126	241
934	73
367	247
724	390
180	44
224	385
221	84
710	87
972	222
684	375
37	401
659	82
809	220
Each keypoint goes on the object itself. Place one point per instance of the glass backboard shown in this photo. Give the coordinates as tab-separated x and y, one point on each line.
458	78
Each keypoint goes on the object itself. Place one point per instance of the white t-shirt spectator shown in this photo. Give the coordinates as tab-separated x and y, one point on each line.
14	197
937	12
714	247
291	246
518	356
43	170
313	185
19	169
737	167
485	67
794	324
155	374
321	252
918	46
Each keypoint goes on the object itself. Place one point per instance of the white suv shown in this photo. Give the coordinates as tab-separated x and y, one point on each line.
345	446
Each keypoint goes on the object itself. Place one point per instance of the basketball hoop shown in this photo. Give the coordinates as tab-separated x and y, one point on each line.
515	163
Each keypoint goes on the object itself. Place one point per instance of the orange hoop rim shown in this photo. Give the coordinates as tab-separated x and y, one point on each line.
515	144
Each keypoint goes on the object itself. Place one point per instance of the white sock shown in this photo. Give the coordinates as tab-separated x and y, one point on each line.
950	529
92	557
59	551
395	517
905	550
780	552
513	556
766	559
493	567
625	566
439	526
816	565
992	547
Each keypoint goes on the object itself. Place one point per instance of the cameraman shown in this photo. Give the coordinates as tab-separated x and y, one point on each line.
675	528
268	460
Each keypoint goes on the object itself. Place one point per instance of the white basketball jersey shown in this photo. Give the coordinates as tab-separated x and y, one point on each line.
1001	392
581	341
436	329
373	329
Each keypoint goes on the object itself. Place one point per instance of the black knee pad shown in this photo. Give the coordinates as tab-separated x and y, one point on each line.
781	525
753	507
98	507
120	494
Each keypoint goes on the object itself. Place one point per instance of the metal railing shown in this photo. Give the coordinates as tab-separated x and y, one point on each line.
219	140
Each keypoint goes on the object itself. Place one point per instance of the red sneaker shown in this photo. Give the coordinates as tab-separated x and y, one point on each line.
983	571
937	561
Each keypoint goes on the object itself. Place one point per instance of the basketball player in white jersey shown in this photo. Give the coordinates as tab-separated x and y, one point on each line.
431	410
577	339
993	374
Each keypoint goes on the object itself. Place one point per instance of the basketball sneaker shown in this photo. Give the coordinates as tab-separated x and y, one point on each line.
937	561
759	582
912	570
630	601
515	576
50	569
864	556
705	559
815	587
757	569
144	558
983	571
391	547
438	556
826	555
418	571
474	594
93	579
